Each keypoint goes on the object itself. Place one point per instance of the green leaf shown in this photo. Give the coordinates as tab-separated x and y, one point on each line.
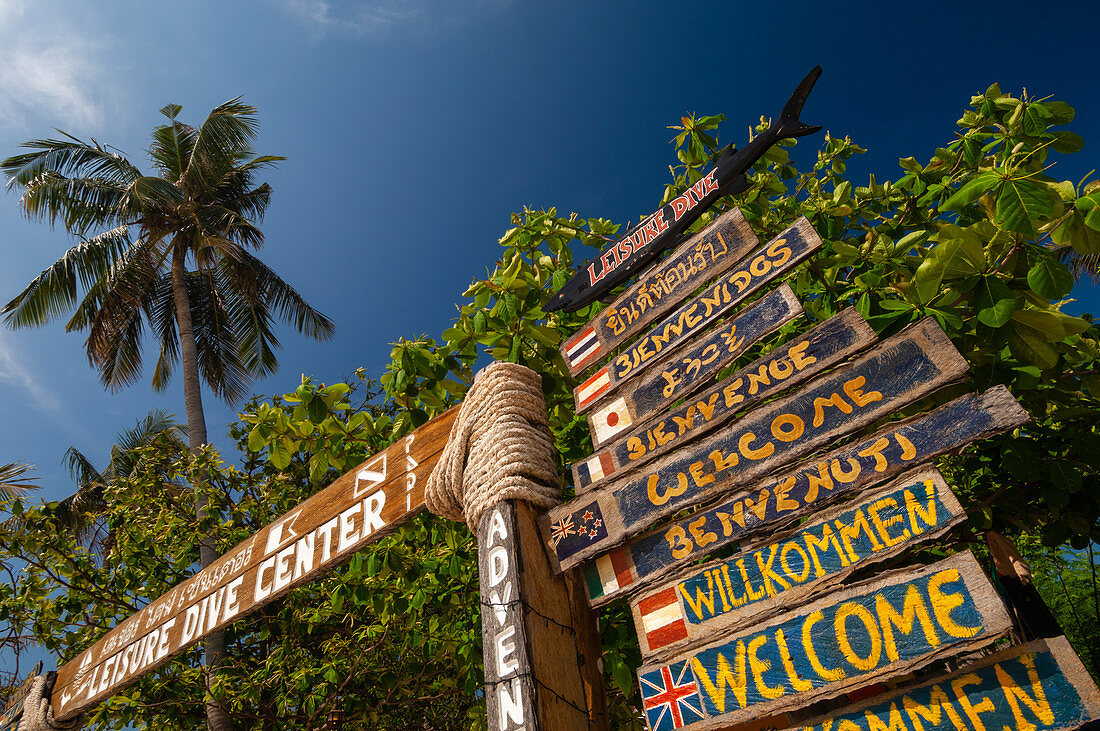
972	191
1033	335
1021	204
1049	278
994	302
1067	142
927	279
1060	112
279	454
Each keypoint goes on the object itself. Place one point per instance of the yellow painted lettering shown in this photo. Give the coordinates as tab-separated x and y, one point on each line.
883	526
943	603
840	624
724	676
811	654
836	400
854	389
913	609
875	450
744	445
759	667
787	427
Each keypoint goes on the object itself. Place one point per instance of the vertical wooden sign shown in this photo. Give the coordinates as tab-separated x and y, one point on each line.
539	638
509	683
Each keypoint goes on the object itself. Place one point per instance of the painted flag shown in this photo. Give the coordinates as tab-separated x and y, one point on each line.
610	420
662	618
597	467
670	697
581	349
593	388
608	573
562	529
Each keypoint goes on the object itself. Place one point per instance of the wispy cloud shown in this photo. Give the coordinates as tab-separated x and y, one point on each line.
374	17
14	373
48	68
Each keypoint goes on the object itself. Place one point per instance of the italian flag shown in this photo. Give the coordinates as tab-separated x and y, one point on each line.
608	573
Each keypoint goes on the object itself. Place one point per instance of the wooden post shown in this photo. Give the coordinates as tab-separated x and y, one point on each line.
540	642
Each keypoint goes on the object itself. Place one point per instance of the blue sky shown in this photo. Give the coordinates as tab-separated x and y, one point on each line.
413	129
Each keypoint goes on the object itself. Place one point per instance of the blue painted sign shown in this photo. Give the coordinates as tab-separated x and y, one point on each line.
726	594
809	487
886	627
1040	686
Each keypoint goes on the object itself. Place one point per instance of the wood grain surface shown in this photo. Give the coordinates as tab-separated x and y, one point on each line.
894	374
892	625
1039	686
802	490
702	257
636	441
319	534
717	299
794	566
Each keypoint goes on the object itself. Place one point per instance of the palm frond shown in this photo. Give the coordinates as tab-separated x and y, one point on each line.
223	140
214	315
70	157
81	203
54	292
80	467
249	274
11	483
172	145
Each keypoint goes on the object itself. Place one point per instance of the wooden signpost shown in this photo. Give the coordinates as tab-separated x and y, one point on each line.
793	566
683	371
320	533
747	639
892	625
801	490
896	373
1040	686
758	268
705	256
795	362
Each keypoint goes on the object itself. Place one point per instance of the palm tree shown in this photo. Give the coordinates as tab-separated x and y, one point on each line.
79	512
12	482
136	236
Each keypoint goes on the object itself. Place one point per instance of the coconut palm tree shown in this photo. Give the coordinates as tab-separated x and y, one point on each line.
79	511
170	252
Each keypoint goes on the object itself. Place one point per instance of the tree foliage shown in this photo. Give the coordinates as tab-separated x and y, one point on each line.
976	236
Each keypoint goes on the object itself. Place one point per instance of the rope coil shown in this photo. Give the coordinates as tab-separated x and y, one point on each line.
500	448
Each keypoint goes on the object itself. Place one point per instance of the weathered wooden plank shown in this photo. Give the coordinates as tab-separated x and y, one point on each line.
359	507
681	373
774	258
890	626
897	372
1040	686
541	645
787	365
788	569
702	257
797	492
510	686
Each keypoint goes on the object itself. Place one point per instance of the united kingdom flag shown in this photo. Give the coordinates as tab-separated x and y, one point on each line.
670	696
562	529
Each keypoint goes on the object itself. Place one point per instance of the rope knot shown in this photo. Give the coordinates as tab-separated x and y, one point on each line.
500	448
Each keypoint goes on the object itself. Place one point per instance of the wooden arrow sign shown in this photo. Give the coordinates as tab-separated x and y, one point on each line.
778	256
790	568
704	256
636	441
890	626
896	373
802	490
358	508
684	371
1040	686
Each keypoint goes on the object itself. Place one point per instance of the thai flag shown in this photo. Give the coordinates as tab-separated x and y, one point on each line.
581	349
670	696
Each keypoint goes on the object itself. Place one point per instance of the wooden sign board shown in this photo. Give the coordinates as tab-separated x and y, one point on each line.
893	625
702	257
509	682
1040	686
637	441
540	643
791	568
680	373
896	373
319	534
778	256
800	491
